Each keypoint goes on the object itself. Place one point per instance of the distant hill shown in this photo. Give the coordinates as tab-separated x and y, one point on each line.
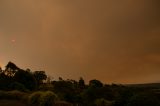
146	85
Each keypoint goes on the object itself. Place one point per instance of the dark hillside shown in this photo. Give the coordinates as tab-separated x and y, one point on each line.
11	103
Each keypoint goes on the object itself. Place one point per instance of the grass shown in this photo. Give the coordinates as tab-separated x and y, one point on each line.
11	103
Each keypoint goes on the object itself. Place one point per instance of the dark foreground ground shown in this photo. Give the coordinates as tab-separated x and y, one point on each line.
11	103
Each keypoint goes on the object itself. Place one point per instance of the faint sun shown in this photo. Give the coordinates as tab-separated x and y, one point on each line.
13	40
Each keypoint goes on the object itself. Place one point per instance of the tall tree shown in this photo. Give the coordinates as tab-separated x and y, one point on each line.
10	69
40	76
1	70
81	83
95	83
26	78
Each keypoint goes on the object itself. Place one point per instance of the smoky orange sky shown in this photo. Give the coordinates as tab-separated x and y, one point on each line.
115	41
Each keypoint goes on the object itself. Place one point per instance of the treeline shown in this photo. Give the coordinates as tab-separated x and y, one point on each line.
13	77
43	91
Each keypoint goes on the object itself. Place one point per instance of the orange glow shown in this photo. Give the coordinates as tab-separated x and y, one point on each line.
1	65
13	40
110	40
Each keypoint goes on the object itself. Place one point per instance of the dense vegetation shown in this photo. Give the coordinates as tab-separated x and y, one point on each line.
35	88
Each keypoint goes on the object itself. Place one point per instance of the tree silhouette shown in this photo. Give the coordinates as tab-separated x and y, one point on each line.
95	83
81	84
10	69
26	78
40	76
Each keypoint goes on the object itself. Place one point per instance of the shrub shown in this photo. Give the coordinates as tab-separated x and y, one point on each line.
15	95
103	102
144	99
45	87
34	98
48	99
42	98
17	86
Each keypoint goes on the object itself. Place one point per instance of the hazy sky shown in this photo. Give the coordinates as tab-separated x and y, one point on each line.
111	40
